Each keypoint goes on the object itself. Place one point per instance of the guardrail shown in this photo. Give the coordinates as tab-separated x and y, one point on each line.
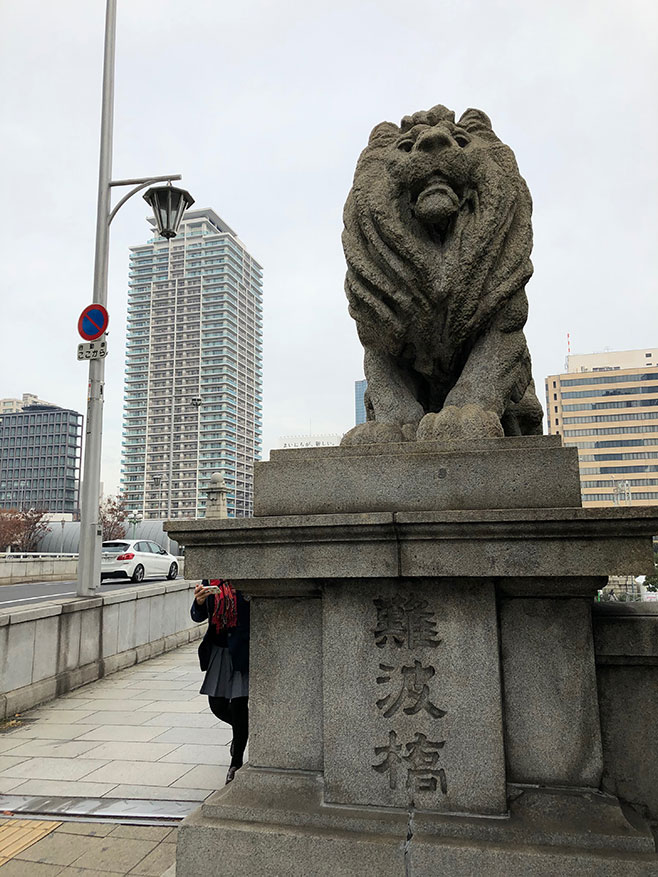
626	647
52	647
16	569
23	568
35	555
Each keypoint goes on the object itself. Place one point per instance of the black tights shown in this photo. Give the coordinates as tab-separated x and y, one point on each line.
235	713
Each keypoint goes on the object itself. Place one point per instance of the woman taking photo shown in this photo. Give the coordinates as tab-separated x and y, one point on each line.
224	657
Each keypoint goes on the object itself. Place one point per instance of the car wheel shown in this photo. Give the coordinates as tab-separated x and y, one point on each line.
173	571
138	573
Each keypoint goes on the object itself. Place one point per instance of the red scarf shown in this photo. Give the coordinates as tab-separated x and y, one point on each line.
225	613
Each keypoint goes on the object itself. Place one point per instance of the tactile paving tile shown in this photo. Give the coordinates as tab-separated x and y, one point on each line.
17	835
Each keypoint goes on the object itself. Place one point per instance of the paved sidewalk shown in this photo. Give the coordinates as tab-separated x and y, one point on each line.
139	746
142	733
91	849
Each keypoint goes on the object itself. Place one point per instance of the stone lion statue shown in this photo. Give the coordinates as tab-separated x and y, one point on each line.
437	240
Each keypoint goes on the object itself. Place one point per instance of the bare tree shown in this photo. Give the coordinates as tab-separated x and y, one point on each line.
22	530
33	529
10	528
112	513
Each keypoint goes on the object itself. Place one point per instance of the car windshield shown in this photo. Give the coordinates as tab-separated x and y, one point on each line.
115	547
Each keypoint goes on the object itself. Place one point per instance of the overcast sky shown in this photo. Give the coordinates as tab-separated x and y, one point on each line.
264	108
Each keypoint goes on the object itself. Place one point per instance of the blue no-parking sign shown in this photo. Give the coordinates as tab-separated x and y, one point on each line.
93	322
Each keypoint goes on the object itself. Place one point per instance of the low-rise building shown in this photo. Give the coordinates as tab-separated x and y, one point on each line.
13	406
606	405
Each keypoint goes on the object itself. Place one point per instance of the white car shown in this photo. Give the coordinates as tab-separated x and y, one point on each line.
136	559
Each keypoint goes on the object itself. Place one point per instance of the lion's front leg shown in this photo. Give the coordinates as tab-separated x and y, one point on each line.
393	410
497	371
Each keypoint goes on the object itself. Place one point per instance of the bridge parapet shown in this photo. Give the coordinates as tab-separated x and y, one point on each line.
51	648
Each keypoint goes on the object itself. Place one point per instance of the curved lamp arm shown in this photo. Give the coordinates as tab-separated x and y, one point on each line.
142	183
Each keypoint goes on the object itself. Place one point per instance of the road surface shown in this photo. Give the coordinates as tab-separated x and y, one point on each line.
33	592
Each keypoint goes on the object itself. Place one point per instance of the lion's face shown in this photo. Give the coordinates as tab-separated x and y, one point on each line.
436	168
434	165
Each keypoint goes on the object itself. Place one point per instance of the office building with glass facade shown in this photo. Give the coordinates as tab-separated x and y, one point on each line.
193	373
360	388
606	405
40	448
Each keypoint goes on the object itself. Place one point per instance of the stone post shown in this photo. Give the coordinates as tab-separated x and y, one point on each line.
423	697
216	497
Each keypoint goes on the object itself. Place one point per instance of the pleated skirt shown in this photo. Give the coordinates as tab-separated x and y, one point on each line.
221	679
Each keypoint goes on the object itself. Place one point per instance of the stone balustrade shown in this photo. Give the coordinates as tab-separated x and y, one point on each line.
626	649
24	568
53	647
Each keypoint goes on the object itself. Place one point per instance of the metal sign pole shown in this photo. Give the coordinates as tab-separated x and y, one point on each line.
89	559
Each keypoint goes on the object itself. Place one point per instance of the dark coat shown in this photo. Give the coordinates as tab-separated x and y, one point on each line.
235	638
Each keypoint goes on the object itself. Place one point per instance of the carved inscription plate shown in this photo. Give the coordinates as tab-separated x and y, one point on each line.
412	711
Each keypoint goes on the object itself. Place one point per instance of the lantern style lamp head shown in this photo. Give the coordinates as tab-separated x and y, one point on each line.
168	204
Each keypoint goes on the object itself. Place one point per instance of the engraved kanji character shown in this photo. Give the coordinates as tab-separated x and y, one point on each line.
404	621
392	759
414	691
391	621
422	756
422	626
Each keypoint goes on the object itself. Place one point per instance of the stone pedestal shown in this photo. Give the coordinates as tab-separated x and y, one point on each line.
423	698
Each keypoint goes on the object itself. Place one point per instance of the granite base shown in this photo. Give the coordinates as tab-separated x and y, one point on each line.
276	823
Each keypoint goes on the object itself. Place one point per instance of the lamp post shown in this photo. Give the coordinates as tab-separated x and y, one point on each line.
168	206
157	483
133	519
197	401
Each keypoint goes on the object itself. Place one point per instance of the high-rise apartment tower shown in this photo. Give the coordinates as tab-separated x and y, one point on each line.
193	370
606	404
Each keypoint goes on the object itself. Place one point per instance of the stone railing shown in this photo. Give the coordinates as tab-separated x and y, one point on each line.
18	568
53	647
626	644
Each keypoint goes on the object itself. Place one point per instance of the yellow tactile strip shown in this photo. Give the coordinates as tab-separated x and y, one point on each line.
17	835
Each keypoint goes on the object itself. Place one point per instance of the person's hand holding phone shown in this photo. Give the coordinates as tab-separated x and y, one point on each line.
201	592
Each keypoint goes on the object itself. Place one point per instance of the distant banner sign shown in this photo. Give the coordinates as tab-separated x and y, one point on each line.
93	322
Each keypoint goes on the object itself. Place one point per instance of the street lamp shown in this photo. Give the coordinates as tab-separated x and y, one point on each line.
168	204
134	518
89	564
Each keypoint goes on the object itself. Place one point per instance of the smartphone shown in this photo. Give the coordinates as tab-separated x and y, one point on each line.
213	589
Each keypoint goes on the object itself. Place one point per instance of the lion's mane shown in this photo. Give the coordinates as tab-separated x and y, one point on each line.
413	293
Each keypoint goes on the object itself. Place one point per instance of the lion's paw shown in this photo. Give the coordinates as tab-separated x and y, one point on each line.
467	422
372	433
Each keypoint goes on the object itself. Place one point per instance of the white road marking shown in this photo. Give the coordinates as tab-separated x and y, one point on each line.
22	584
40	597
